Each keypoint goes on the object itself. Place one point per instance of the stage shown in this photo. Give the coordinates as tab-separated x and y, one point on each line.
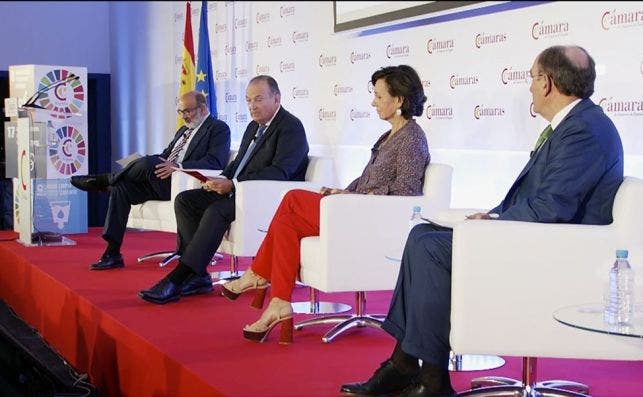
195	347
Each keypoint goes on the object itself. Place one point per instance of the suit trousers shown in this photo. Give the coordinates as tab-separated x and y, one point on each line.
202	218
419	315
133	185
278	258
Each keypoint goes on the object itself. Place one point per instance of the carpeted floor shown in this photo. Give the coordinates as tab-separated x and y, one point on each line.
195	347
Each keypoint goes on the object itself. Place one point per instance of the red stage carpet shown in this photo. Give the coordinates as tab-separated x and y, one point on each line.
195	347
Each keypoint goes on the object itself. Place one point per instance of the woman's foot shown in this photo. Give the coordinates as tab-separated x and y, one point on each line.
248	281
278	311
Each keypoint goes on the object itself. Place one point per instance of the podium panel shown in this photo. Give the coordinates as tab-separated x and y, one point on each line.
46	144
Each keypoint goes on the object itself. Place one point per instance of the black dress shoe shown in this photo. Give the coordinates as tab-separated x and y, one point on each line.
387	380
107	262
197	285
417	389
91	183
162	292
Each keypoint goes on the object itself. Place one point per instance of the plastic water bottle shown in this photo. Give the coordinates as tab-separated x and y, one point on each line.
619	307
416	217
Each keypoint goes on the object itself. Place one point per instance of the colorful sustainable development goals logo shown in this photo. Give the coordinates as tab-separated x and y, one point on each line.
66	97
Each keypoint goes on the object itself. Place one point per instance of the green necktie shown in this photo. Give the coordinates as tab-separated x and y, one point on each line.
543	137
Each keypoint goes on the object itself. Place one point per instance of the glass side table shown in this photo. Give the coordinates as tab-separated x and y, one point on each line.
589	317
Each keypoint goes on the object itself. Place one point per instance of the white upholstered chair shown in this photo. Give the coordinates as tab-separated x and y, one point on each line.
357	232
256	203
508	279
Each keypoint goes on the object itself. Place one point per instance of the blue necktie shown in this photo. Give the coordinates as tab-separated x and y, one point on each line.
251	147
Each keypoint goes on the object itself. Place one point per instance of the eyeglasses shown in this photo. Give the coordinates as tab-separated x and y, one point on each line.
538	75
184	112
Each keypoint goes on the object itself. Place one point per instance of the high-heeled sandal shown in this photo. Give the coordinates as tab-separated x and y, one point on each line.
260	284
285	336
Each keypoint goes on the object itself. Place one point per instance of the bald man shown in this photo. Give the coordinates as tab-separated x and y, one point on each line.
572	176
203	142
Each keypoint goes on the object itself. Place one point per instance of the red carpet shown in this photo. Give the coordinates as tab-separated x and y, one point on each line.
194	347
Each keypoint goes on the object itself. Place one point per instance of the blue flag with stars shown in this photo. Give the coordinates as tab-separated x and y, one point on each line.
204	77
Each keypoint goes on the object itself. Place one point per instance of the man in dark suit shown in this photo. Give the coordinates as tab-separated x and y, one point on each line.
204	142
273	147
572	177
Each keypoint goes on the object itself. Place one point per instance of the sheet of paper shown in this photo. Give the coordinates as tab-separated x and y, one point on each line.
128	159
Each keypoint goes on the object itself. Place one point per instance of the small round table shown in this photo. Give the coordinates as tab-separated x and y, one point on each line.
589	317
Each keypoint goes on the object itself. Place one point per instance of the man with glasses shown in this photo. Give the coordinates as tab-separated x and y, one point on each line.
273	147
572	176
203	142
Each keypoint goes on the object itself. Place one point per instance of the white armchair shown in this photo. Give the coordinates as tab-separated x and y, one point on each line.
508	278
357	232
256	203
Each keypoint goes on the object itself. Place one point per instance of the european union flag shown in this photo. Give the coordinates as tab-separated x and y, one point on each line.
204	76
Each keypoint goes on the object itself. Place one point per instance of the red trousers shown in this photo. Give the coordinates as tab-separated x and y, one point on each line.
278	257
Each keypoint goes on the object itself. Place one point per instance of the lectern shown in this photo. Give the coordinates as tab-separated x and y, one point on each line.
46	143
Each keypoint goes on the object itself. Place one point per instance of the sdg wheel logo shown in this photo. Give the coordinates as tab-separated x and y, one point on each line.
67	150
66	98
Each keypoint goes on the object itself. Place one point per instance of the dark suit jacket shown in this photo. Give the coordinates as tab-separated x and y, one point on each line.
574	176
209	148
280	154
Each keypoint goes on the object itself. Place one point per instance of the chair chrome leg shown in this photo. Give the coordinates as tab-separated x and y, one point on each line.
168	259
474	362
154	255
314	306
500	386
234	273
354	321
217	257
569	385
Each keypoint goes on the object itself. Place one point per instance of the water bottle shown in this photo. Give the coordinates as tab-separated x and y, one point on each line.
416	217
619	308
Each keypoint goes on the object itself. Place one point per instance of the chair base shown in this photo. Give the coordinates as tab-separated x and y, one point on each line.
168	256
474	362
488	386
520	391
319	307
225	276
343	323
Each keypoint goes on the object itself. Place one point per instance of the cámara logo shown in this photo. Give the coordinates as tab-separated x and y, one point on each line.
274	41
262	69
286	66
327	115
359	56
481	111
433	46
230	98
483	39
621	19
455	81
252	46
356	114
327	60
397	51
241	117
439	112
341	90
508	75
543	30
299	37
263	17
622	107
286	11
299	92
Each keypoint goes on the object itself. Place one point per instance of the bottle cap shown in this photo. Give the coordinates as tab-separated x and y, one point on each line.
417	208
621	254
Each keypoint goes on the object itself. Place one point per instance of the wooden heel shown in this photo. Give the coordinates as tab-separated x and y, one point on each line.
260	297
285	337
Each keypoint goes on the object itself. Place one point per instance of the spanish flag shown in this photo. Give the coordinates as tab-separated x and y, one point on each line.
187	67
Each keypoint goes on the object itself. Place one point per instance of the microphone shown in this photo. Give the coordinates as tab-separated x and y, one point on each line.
31	102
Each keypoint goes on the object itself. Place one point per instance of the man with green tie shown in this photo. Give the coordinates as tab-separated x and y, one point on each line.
572	176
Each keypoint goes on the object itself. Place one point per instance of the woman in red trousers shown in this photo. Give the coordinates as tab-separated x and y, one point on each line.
396	167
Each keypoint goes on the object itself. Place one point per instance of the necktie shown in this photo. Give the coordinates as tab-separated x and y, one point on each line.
248	152
179	146
543	137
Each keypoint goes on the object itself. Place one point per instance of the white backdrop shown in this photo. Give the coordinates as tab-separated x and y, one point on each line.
478	115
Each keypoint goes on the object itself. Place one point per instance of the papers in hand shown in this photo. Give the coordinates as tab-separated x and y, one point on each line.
128	159
198	175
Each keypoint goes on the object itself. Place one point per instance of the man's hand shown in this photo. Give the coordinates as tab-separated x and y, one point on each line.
164	169
218	185
327	191
481	215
